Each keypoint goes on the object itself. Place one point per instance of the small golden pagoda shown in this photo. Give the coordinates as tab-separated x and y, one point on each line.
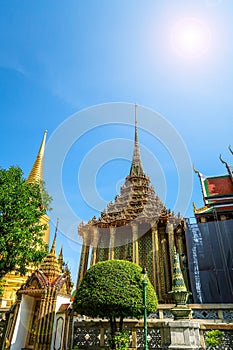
13	281
136	227
40	319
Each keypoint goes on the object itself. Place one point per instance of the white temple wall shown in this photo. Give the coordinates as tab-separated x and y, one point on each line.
59	323
22	323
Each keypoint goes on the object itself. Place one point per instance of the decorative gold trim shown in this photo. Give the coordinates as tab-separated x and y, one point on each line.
200	210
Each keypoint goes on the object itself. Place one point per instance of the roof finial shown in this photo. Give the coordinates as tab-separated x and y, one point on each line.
223	161
136	166
53	248
194	207
36	174
195	170
230	149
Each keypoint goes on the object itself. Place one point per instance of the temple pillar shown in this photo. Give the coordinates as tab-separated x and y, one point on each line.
11	325
111	243
160	267
83	259
182	252
165	265
95	242
155	258
170	234
135	243
180	242
51	315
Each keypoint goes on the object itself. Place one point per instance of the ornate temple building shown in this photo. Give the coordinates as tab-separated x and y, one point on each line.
217	196
137	227
210	240
40	318
13	281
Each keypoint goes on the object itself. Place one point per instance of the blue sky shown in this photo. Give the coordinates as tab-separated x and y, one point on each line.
57	59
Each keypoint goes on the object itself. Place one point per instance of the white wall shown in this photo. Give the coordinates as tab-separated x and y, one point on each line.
22	323
59	337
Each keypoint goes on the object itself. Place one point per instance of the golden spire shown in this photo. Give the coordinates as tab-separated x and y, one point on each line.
50	266
136	166
53	248
60	257
36	174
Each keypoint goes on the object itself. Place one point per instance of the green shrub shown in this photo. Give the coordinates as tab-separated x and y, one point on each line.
213	338
120	339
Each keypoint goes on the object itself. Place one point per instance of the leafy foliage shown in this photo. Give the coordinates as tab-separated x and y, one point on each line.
21	233
214	337
120	339
1	286
46	198
113	288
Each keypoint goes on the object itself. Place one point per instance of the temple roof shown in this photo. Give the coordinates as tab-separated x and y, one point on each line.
36	174
49	275
216	187
137	201
217	191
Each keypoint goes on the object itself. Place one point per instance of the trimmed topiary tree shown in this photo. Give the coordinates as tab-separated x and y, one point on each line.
113	289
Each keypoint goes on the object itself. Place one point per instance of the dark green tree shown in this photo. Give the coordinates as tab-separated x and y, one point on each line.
21	233
113	289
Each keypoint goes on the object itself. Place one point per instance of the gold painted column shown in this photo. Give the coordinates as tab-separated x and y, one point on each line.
83	259
165	276
156	260
180	243
51	316
170	234
95	242
8	339
39	336
111	243
135	243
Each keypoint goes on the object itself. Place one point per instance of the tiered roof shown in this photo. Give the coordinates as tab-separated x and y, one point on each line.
137	202
49	275
50	265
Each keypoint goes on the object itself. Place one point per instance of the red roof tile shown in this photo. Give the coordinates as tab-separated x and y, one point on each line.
219	185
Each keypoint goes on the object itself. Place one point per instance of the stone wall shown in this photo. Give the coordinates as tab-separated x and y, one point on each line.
162	329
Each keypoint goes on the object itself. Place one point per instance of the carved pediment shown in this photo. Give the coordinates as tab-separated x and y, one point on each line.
63	283
34	284
36	281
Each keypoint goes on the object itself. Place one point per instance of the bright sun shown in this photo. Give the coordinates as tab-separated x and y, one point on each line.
190	38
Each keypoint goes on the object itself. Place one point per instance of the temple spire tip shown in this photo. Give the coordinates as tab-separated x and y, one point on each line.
36	173
53	248
136	167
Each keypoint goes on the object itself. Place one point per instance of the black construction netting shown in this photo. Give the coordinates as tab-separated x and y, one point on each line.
210	261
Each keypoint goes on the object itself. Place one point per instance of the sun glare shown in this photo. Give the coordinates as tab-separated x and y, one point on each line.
190	38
